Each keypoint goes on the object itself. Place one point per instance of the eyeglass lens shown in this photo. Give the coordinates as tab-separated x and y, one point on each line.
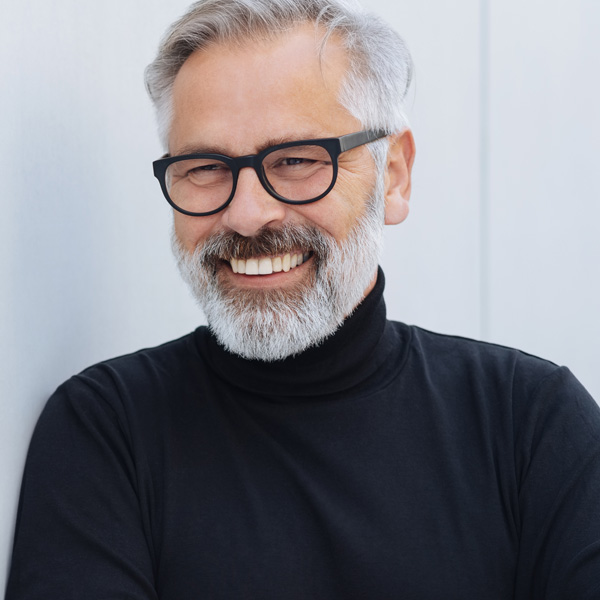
297	173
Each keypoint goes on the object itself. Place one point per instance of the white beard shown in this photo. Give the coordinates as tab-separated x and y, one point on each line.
271	325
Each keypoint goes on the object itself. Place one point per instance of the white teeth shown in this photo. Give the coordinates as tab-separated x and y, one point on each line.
267	265
252	266
286	263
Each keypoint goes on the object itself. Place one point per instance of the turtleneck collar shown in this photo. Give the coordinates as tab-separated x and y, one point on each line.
347	360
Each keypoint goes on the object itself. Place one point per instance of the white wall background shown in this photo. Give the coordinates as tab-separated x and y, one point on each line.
502	242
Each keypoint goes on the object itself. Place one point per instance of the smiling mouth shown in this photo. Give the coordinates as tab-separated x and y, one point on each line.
266	265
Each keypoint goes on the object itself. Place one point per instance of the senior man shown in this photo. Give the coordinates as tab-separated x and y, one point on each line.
303	447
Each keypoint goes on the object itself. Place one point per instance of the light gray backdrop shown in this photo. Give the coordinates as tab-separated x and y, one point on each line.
502	242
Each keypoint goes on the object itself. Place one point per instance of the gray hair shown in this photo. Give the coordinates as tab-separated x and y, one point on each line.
373	90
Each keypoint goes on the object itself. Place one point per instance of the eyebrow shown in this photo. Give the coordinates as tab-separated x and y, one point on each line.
199	149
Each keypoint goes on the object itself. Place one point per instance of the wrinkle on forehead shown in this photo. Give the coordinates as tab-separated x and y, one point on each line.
327	49
297	73
326	42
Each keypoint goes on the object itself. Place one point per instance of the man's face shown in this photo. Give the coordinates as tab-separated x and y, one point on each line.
238	100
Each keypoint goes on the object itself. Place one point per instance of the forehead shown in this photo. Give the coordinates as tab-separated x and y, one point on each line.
240	95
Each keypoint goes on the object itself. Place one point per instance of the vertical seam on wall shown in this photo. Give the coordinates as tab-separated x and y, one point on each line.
484	169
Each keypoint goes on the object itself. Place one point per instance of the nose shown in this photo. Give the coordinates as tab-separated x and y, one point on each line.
252	207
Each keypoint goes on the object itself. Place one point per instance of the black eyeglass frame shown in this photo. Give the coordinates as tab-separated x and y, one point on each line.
334	147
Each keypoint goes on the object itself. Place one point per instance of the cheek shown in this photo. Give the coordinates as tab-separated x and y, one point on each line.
192	230
337	213
333	215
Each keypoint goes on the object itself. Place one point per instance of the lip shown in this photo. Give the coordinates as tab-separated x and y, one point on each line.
265	265
281	278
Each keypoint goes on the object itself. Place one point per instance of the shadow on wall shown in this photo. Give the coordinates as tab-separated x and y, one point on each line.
59	195
53	266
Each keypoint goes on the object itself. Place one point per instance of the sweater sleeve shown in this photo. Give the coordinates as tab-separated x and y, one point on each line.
80	529
558	472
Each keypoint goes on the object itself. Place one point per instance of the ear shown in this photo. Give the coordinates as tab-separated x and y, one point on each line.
400	160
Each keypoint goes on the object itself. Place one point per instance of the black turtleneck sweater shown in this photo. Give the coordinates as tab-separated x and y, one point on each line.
388	463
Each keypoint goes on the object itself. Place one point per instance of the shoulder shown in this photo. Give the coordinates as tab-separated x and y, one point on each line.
145	368
492	374
130	386
159	359
532	402
455	356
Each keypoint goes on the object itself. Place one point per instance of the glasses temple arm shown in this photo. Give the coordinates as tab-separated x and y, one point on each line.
352	140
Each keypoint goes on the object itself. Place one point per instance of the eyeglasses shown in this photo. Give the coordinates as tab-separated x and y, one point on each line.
294	173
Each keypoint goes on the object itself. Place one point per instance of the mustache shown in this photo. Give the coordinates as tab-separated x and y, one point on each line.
226	245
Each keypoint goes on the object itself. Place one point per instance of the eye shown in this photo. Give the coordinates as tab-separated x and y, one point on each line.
206	168
206	172
304	158
294	161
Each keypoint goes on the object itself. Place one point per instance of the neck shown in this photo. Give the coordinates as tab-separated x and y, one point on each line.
341	362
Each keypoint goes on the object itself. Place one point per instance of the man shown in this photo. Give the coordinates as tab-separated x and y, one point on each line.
303	447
